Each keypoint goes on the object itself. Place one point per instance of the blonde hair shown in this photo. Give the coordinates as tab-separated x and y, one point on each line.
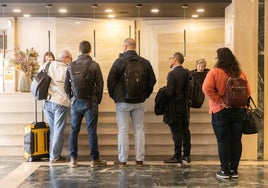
201	60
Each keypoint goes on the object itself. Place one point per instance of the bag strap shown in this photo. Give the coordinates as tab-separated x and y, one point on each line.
252	101
47	66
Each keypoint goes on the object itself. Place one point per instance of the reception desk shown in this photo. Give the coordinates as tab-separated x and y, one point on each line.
17	110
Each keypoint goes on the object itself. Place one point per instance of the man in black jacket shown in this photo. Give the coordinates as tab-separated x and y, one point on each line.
130	103
84	86
177	116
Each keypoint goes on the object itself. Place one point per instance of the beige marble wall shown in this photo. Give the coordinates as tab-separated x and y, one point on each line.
242	37
67	33
203	37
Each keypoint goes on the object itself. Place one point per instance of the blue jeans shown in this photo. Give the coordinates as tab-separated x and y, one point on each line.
56	116
79	109
227	125
125	111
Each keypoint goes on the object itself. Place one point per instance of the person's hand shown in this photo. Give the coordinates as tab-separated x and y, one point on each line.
224	105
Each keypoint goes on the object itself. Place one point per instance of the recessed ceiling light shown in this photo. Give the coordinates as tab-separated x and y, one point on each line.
195	16
109	10
111	16
16	10
155	10
26	15
62	10
200	10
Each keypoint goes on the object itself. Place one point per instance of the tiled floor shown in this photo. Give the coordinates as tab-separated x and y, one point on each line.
17	173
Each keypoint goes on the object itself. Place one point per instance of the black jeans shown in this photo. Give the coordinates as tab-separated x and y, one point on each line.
227	125
180	132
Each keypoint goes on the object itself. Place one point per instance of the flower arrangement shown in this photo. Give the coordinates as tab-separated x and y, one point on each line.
26	62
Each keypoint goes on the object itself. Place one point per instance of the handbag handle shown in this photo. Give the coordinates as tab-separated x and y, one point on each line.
251	100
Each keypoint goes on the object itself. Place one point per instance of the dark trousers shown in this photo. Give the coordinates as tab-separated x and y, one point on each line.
227	125
180	132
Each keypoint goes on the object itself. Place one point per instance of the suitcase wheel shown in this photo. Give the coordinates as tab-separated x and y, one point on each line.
30	159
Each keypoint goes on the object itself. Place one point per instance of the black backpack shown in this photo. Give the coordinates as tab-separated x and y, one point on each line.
82	80
135	81
40	84
236	92
195	96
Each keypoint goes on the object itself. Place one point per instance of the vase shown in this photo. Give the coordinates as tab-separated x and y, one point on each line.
25	81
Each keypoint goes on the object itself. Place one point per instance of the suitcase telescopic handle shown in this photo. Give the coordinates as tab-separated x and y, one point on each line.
35	104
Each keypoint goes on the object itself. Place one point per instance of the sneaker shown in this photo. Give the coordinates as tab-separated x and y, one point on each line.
139	163
222	175
173	160
98	162
233	174
186	159
73	162
59	159
120	163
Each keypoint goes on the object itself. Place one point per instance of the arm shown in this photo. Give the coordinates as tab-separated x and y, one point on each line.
67	84
151	80
112	79
170	85
99	83
209	88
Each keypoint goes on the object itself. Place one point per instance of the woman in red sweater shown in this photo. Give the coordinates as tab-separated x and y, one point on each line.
226	121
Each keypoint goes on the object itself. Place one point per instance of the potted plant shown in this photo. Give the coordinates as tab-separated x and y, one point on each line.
26	62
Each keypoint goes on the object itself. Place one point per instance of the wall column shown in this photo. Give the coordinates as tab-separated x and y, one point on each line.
242	36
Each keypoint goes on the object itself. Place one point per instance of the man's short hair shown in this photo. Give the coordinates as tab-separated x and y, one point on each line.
179	57
85	47
130	42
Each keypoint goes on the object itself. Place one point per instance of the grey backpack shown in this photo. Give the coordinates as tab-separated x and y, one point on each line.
40	84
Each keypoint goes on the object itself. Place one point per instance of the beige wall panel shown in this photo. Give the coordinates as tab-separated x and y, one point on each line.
33	32
199	44
70	32
67	33
245	47
110	35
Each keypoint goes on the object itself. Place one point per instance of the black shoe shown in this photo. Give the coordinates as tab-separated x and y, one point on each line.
119	163
186	159
233	174
222	175
98	163
173	160
139	163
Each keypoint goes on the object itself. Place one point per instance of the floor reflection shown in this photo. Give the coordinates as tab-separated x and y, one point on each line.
132	176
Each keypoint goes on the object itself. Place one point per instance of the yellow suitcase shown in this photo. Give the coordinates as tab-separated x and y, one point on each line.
36	139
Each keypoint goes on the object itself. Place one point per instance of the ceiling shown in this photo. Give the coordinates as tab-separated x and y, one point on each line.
121	8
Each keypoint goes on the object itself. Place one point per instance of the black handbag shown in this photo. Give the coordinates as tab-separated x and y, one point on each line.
254	119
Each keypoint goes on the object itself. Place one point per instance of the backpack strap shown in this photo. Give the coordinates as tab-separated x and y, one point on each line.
47	66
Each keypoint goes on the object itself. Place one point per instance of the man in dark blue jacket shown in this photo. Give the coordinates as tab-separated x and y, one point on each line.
84	86
129	99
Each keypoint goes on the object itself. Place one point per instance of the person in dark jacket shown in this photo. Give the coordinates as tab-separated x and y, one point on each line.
177	115
127	108
85	106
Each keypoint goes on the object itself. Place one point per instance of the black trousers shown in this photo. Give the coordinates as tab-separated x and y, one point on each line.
180	131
